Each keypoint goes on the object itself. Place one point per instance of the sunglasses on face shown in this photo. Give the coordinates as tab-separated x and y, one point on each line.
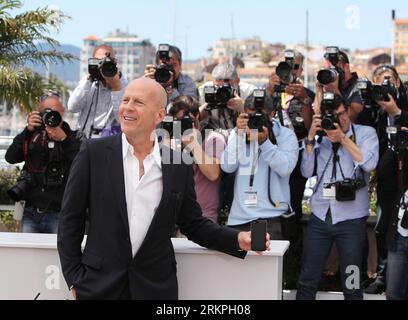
48	95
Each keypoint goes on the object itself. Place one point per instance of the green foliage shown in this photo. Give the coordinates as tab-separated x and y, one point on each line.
7	220
8	179
266	56
20	38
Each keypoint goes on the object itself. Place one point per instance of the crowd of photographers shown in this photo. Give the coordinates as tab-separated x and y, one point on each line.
253	150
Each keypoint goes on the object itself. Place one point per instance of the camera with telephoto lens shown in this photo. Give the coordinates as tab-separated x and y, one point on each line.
106	67
330	75
326	76
381	92
285	71
20	190
259	119
218	96
164	70
50	118
329	117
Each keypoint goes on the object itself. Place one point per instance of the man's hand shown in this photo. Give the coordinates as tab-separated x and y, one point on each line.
333	87
274	81
316	127
34	121
73	292
263	136
113	83
244	241
56	134
335	135
236	103
242	123
390	106
297	90
150	71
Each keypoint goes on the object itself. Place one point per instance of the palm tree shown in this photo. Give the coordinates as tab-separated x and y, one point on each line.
22	38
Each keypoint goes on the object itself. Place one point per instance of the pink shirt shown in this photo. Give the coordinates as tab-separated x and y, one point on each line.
207	191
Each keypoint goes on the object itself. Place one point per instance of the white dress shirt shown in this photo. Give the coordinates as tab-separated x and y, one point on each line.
143	194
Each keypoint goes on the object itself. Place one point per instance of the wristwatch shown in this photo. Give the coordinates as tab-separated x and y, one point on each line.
310	142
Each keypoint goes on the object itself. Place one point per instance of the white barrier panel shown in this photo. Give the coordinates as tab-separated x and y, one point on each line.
29	265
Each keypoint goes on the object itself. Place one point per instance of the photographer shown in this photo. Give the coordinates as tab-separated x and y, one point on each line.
397	237
261	189
387	85
47	146
223	98
206	148
297	113
168	72
98	96
342	162
338	78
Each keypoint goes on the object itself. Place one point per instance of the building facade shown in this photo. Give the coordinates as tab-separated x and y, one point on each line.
132	53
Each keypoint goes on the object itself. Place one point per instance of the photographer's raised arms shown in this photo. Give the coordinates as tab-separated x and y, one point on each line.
98	96
47	146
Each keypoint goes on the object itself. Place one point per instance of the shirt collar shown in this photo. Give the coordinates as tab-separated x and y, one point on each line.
128	149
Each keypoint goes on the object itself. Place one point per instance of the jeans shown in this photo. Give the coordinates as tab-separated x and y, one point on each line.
349	237
397	271
34	222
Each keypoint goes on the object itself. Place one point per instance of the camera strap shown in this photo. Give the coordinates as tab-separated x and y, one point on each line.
96	92
39	138
336	157
319	182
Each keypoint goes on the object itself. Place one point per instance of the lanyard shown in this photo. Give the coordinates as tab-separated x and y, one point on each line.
254	165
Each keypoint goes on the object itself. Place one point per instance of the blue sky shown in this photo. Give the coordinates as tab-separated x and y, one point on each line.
350	24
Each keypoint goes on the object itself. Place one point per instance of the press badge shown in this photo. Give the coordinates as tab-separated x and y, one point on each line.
329	192
251	199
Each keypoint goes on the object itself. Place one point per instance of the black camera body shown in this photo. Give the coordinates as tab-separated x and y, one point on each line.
20	190
259	119
218	96
346	189
380	92
54	174
50	118
169	124
295	113
106	67
329	117
398	138
285	71
164	70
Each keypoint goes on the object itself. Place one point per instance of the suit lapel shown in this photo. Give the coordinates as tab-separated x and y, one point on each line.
115	168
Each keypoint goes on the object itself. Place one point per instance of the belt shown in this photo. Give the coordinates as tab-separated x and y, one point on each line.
41	211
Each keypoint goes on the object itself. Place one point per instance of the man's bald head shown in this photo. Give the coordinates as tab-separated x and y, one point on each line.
153	90
143	108
100	52
53	103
